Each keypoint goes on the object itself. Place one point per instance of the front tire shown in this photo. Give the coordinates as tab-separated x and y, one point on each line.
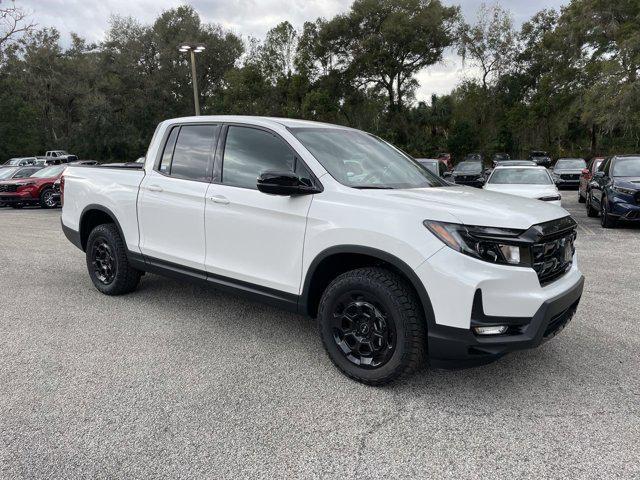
591	212
372	326
606	220
581	198
107	262
47	199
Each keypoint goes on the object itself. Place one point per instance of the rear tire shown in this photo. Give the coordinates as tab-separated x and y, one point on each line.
372	326
107	262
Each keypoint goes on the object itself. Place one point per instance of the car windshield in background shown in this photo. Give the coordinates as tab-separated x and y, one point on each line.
520	176
627	167
539	154
359	160
469	167
7	172
570	163
432	165
49	172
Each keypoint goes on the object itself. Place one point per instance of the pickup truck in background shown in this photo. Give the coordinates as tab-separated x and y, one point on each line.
396	264
61	155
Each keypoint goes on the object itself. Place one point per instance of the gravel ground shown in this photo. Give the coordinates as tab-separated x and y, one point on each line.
182	381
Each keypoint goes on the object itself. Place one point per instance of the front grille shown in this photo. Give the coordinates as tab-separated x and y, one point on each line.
637	197
8	188
570	176
552	252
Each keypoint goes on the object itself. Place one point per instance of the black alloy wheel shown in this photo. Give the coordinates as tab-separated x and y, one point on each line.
104	265
606	219
362	330
107	261
591	212
372	325
47	199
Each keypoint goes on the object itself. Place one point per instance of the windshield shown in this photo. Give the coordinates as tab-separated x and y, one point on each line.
520	176
572	163
7	172
360	160
49	172
469	167
627	167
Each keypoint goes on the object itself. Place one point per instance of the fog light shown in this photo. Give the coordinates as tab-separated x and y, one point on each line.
495	330
511	253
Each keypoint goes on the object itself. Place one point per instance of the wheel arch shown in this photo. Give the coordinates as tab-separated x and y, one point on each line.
92	216
336	260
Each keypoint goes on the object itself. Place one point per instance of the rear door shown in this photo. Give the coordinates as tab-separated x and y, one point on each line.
599	182
252	236
171	201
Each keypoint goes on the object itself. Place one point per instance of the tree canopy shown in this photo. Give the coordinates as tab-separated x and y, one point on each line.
565	81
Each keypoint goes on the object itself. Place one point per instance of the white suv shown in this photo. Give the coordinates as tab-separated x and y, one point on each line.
396	264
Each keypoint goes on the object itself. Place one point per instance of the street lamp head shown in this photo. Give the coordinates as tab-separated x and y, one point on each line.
186	47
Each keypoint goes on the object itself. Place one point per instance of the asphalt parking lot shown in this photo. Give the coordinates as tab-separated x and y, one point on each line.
181	381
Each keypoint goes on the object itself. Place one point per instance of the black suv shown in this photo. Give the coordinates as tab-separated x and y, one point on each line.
469	173
541	158
614	191
566	172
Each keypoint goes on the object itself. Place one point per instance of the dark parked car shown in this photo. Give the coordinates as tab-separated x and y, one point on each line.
469	173
614	192
500	157
586	176
566	172
473	157
541	158
434	165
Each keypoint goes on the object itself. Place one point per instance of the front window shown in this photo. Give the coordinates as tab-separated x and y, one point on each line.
570	164
49	172
7	172
469	167
360	160
627	167
520	176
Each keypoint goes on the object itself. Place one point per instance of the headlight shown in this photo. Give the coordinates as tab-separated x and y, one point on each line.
25	184
625	191
550	198
495	245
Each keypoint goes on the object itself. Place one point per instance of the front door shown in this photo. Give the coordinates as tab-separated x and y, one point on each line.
252	236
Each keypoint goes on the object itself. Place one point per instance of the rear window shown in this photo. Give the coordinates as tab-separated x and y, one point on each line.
469	167
188	152
572	163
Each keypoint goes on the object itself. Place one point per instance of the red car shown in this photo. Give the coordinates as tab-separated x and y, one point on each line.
34	190
586	176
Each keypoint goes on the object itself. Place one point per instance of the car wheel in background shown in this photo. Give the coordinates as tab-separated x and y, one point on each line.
591	212
581	198
107	262
606	220
17	206
372	326
47	198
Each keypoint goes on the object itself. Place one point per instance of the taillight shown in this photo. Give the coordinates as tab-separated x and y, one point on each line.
62	190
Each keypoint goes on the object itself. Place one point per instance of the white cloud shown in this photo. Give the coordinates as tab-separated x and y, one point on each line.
254	18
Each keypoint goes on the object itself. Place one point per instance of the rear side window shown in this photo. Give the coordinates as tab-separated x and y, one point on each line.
188	152
249	152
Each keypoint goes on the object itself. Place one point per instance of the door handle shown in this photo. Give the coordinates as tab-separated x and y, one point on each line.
219	199
154	188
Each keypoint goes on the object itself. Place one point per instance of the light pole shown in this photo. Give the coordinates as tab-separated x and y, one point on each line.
193	49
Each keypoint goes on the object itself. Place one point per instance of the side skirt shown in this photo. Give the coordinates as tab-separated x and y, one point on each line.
276	298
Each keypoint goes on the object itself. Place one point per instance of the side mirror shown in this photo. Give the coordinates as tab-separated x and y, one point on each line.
285	183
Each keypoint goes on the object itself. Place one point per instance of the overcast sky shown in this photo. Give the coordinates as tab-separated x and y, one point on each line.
253	18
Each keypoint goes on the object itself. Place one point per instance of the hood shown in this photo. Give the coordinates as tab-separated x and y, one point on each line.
474	206
527	191
628	182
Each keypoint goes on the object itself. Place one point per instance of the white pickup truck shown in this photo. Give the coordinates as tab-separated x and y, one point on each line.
398	265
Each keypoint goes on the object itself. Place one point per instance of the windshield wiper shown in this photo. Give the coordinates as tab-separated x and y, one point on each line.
371	187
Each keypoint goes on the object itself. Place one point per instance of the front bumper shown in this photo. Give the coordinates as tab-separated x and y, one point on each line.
470	183
567	183
466	292
624	210
17	198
